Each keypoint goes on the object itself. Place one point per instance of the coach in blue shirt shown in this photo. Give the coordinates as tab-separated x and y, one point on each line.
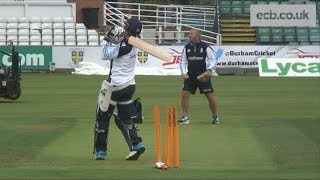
197	60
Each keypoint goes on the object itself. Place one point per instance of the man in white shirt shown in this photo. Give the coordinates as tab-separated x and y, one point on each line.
121	87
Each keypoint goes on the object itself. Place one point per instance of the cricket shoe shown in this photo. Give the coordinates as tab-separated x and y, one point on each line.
215	120
137	150
184	120
100	155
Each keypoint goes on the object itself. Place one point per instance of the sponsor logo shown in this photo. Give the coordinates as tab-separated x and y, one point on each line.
289	67
31	57
217	54
238	63
77	56
283	15
250	53
272	15
26	60
176	58
302	54
195	58
142	57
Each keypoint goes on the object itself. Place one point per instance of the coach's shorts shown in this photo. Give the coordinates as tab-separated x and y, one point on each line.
191	85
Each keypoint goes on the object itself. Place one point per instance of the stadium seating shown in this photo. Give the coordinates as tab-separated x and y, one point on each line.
82	40
35	23
45	31
3	38
35	39
264	34
289	34
225	7
315	35
246	6
23	40
302	34
47	40
70	40
46	25
58	40
237	7
277	34
93	38
3	32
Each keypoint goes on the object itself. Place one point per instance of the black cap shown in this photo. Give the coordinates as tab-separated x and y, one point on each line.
134	25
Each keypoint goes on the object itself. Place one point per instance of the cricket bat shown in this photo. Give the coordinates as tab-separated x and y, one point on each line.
138	43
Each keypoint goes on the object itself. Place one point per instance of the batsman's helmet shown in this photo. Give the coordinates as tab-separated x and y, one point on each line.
134	25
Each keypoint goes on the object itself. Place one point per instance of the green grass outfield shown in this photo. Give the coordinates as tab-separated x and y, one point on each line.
269	130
